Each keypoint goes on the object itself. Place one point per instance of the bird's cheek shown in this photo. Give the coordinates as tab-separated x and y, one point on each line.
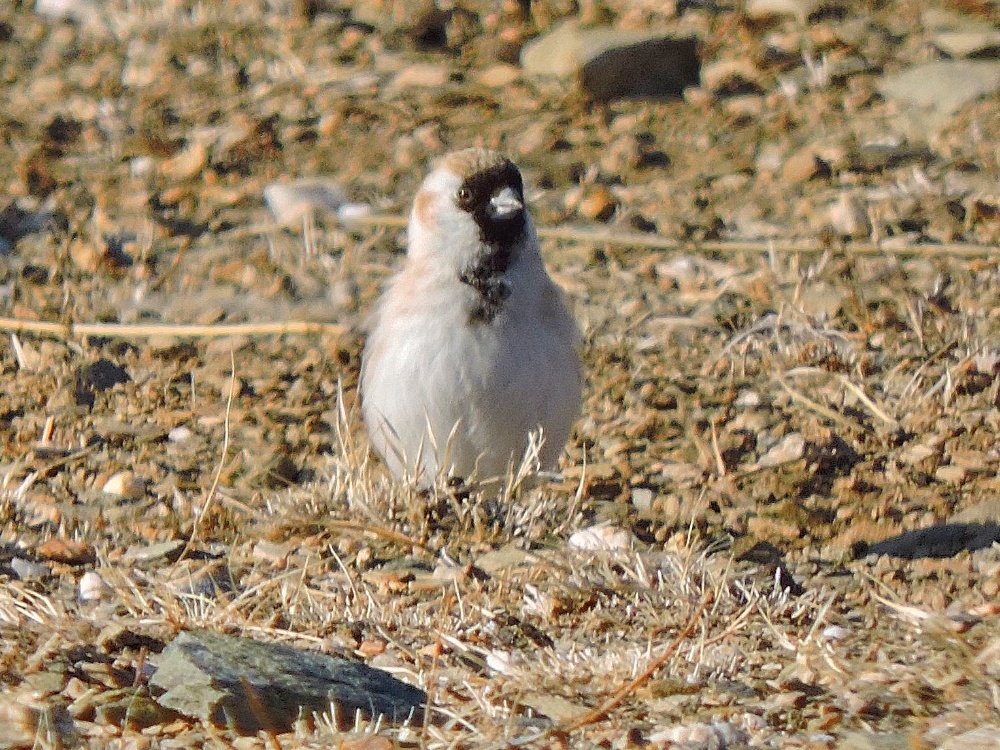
425	212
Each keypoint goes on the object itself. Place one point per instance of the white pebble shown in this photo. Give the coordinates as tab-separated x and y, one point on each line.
790	448
126	485
93	588
179	434
642	498
601	538
142	166
353	211
849	218
26	570
82	11
835	632
501	662
291	201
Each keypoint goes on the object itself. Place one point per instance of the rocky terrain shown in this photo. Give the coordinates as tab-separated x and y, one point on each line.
776	220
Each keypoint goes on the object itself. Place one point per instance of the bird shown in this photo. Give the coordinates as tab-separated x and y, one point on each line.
472	349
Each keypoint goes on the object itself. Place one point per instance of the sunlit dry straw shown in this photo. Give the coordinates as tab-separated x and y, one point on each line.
70	330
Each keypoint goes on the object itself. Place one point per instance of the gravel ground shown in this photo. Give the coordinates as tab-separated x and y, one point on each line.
791	304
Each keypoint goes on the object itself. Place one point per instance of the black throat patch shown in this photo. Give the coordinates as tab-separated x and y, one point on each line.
498	235
493	290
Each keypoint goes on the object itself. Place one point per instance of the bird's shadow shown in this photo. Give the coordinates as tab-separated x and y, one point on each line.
944	540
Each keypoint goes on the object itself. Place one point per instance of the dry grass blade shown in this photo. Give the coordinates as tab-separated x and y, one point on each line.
911	385
863	397
914	615
800	398
19	603
15	344
223	455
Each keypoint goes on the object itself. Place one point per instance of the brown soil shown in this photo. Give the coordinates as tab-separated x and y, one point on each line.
755	415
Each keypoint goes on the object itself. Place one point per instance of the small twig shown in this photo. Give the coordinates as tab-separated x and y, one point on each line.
345	571
820	617
577	234
720	464
122	330
611	703
284	633
603	236
44	653
15	344
914	614
942	351
737	623
769	247
47	430
46	468
378	531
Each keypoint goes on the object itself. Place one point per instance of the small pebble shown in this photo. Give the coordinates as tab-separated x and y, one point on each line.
26	570
179	434
353	211
420	75
835	632
598	203
601	538
126	485
642	498
802	166
291	201
93	588
849	218
187	163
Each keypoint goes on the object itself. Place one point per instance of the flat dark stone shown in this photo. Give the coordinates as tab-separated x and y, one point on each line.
250	686
102	375
653	69
95	378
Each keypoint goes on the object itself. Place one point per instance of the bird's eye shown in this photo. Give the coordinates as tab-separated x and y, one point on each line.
464	196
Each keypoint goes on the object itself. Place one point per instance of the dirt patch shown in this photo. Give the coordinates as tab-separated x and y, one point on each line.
794	357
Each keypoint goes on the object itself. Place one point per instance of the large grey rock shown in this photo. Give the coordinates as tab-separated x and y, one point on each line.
943	85
967	42
800	9
959	35
874	741
391	14
986	511
986	737
252	686
561	52
614	63
932	92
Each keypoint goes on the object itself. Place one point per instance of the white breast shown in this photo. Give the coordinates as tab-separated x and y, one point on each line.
438	393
